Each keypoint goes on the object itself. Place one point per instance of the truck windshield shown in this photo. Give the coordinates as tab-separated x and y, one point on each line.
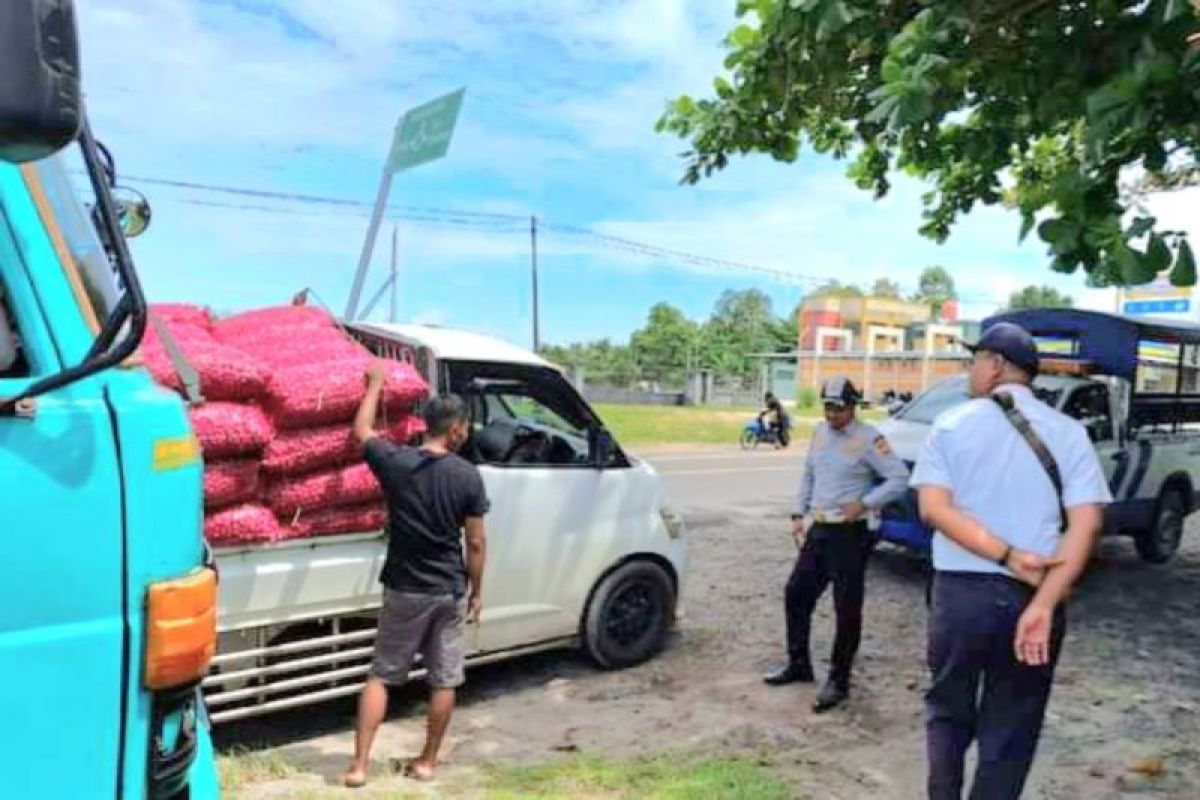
71	198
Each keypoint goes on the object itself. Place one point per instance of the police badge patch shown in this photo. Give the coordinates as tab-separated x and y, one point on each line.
881	445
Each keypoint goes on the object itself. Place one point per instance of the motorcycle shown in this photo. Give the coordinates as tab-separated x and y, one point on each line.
757	432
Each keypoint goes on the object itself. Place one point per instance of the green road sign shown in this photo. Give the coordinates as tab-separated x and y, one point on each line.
423	133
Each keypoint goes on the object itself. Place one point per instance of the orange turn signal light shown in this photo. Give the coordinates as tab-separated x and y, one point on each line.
181	629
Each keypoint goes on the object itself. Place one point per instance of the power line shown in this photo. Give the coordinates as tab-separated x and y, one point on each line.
312	198
434	221
494	222
615	242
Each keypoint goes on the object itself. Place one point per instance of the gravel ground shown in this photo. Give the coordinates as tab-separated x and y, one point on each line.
1122	722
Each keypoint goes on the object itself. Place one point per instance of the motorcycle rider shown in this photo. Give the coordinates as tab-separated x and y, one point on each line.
773	418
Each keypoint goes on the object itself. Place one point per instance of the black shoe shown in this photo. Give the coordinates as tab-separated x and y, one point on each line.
792	673
832	695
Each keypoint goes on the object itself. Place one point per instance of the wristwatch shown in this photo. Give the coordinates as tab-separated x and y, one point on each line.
1003	560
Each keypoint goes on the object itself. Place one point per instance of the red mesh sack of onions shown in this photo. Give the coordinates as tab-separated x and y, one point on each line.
321	394
182	332
300	347
228	483
408	430
227	430
244	327
226	373
306	450
340	487
182	313
352	519
242	524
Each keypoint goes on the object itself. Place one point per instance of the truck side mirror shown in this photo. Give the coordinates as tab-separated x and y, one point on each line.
133	211
40	106
601	447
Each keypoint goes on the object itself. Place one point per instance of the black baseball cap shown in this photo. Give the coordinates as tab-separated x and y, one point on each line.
839	391
1011	341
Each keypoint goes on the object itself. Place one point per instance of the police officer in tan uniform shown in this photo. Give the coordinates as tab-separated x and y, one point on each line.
850	474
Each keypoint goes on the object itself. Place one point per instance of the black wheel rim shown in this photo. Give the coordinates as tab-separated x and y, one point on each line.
633	613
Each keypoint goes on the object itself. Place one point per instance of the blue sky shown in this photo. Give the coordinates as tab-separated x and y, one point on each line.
300	96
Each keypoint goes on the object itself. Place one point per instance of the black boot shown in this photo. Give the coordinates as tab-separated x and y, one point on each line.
832	695
794	672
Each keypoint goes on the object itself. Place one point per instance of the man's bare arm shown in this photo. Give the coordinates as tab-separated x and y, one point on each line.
1035	628
368	410
1083	526
476	557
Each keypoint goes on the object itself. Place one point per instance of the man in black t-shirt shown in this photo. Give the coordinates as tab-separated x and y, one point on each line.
433	498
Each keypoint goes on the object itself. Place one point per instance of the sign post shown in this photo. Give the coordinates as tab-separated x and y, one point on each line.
422	135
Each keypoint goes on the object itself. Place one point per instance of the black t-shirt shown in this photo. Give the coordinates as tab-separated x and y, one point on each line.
429	498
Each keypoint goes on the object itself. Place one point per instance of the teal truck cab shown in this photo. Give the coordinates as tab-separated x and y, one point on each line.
107	607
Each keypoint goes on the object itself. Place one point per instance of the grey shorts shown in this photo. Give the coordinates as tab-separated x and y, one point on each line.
429	624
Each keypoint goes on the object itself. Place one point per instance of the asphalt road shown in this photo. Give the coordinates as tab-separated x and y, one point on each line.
733	479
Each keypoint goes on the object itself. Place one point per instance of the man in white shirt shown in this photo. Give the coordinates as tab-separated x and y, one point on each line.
1006	553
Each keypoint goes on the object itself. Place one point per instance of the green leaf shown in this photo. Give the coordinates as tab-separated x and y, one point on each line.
1133	265
722	87
1184	271
837	15
882	113
1054	230
1108	101
1027	221
1158	255
1064	264
743	36
1174	9
1141	226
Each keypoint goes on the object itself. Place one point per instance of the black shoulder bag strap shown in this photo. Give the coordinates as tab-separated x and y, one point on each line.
1005	401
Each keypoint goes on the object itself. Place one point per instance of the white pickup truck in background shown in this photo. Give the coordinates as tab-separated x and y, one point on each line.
1135	386
581	547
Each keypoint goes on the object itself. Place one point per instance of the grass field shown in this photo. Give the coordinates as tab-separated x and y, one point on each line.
246	775
639	426
661	778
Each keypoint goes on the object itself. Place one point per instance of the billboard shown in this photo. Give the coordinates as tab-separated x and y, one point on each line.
1159	299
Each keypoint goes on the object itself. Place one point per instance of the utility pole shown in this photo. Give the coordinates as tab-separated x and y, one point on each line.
393	317
364	258
537	340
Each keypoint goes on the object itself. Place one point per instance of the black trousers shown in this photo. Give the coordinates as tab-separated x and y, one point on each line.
979	690
837	554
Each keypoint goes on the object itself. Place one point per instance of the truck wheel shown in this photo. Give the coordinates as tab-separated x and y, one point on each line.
627	620
1159	544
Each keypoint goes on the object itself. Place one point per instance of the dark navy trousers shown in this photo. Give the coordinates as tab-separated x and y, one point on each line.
834	554
979	691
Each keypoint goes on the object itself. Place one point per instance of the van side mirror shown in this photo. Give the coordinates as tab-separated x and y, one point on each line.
601	447
40	106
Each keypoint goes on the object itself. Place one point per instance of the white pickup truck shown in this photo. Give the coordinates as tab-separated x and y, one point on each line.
1135	385
581	547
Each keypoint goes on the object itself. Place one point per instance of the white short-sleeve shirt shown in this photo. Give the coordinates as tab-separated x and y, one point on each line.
993	474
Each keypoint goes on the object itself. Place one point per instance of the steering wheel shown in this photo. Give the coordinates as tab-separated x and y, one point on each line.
523	436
